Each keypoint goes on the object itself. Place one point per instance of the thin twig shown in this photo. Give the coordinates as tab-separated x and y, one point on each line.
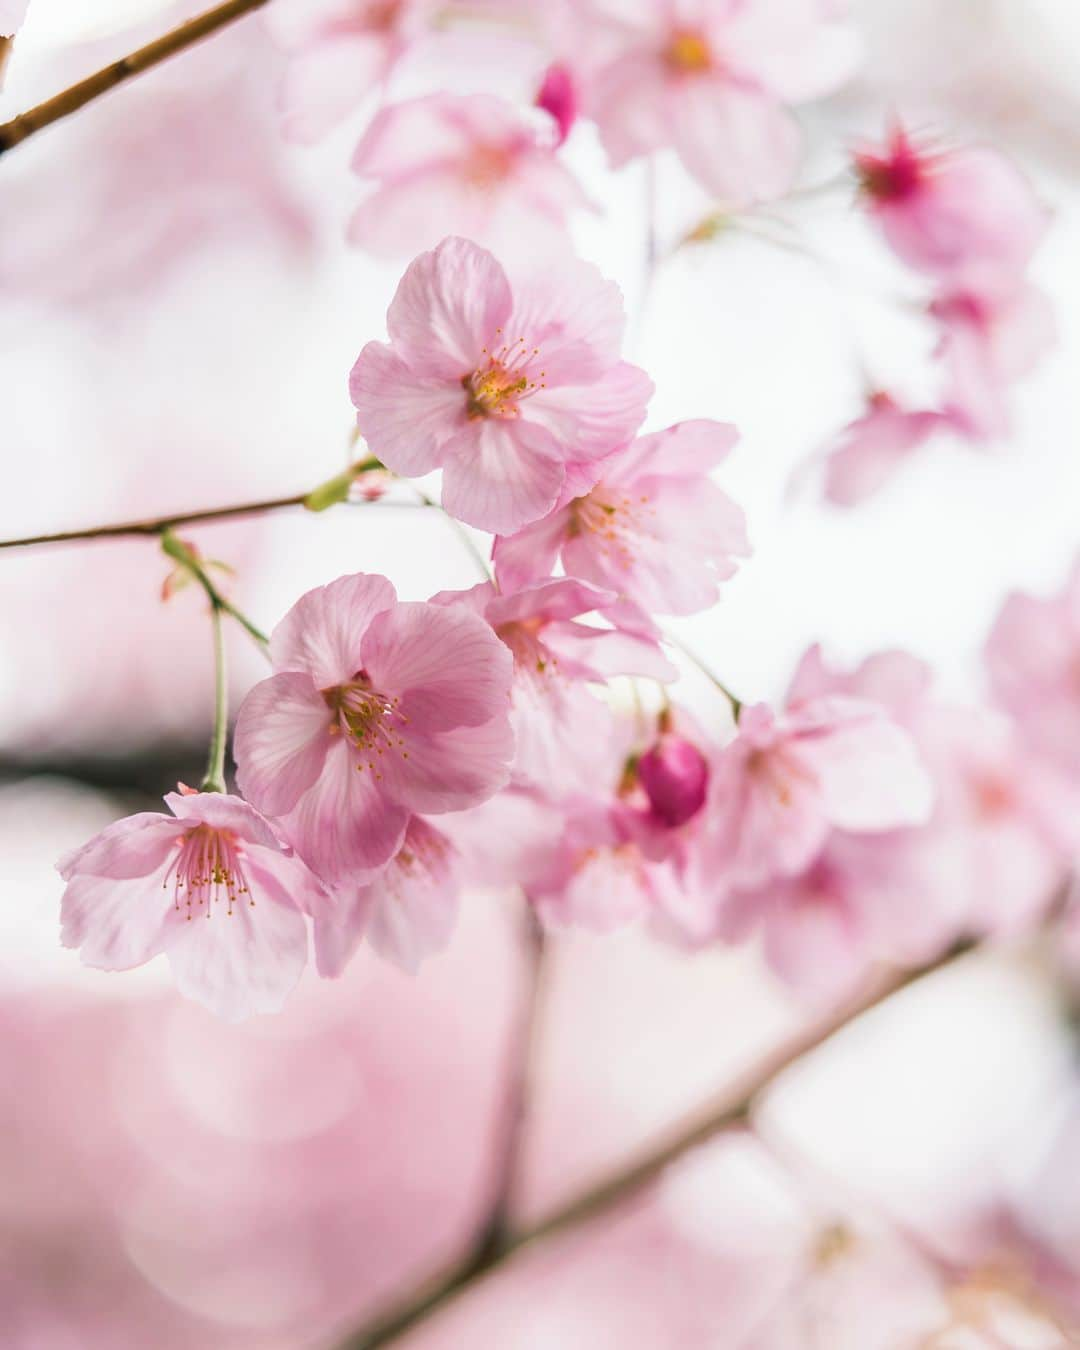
517	1100
732	1107
85	91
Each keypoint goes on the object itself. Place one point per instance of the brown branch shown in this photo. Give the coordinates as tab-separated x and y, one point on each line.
517	1100
732	1107
78	95
159	525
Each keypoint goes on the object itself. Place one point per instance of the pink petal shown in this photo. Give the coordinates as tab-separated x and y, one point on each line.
500	474
245	962
339	931
118	924
321	635
869	771
405	417
740	143
686	450
282	739
594	419
133	847
346	822
414	902
452	770
574	315
531	553
605	652
447	309
326	82
446	665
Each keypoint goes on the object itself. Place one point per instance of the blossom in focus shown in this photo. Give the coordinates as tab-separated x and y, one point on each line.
655	528
471	165
377	710
212	886
713	79
341	52
784	782
965	216
873	447
990	338
558	95
406	911
557	721
499	385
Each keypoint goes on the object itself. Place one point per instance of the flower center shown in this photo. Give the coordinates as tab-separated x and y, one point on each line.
496	388
614	520
688	51
487	166
369	719
530	654
206	870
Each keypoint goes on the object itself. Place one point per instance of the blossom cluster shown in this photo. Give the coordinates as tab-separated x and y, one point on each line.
967	220
400	750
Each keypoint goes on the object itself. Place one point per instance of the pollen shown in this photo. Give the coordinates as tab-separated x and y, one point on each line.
370	720
496	388
688	51
207	870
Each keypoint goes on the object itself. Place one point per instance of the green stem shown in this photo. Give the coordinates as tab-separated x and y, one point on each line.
215	764
179	551
707	671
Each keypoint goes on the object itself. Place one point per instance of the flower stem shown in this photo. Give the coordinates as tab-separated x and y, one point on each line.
85	91
214	781
180	552
706	670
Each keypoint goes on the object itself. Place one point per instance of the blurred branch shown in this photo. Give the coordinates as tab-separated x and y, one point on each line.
732	1107
78	95
517	1100
155	525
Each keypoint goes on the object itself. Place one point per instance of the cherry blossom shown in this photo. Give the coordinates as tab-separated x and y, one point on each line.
557	721
213	886
873	447
377	709
471	165
341	51
963	215
989	339
499	384
406	911
1033	661
654	528
713	79
784	782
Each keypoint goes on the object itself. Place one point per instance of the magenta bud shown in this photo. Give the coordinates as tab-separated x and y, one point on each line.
558	96
674	774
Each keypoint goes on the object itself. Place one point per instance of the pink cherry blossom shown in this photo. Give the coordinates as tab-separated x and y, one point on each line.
655	528
471	165
965	215
557	721
212	886
713	79
341	52
1033	660
558	95
784	782
499	384
377	709
989	339
406	912
991	855
873	447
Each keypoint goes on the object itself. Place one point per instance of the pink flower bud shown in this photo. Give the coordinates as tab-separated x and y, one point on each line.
674	774
558	96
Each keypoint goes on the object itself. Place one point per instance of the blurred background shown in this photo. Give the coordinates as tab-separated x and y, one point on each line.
178	315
